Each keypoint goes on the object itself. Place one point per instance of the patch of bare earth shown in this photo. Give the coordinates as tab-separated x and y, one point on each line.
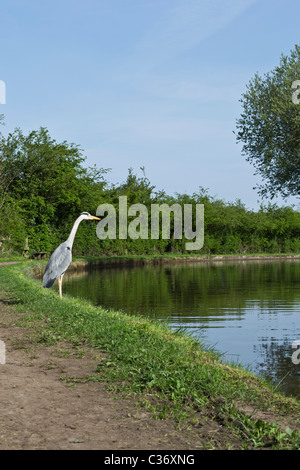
46	403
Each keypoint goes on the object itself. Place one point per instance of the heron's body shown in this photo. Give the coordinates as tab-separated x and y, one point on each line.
61	258
58	263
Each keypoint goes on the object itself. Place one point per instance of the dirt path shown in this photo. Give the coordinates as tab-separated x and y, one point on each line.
40	410
46	403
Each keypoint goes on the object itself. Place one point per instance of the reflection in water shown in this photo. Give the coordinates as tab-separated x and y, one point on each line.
248	310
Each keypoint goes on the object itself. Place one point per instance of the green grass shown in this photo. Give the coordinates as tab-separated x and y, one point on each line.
7	258
170	371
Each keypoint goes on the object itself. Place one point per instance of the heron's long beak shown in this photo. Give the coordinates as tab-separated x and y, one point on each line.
93	217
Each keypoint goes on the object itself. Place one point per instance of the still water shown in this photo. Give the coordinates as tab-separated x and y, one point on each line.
249	310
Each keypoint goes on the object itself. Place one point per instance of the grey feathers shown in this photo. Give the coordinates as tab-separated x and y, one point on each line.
58	263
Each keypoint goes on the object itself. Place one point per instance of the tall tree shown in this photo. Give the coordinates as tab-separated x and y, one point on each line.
47	181
269	127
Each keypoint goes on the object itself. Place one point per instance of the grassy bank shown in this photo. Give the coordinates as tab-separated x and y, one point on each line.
140	260
169	372
80	261
187	257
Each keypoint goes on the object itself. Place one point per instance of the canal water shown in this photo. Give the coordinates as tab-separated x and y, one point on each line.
247	310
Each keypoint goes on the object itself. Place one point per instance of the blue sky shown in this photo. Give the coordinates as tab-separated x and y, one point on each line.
153	83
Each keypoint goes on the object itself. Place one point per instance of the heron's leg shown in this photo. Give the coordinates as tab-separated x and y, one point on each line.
59	280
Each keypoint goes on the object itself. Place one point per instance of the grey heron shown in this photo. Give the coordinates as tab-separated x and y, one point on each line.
61	258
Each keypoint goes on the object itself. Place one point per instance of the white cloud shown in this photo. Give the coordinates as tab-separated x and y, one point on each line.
184	26
191	88
173	130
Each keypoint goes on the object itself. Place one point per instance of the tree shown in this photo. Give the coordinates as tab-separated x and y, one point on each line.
47	182
269	127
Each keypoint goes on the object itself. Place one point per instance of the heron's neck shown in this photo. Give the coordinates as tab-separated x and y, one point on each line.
71	237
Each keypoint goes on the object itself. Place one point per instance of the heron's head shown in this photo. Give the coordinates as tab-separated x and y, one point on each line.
87	216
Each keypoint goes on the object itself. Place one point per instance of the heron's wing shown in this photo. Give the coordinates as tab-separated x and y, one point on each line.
58	262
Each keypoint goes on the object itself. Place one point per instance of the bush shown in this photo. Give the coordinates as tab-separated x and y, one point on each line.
45	187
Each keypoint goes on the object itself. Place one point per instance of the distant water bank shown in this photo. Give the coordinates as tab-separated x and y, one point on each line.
143	260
